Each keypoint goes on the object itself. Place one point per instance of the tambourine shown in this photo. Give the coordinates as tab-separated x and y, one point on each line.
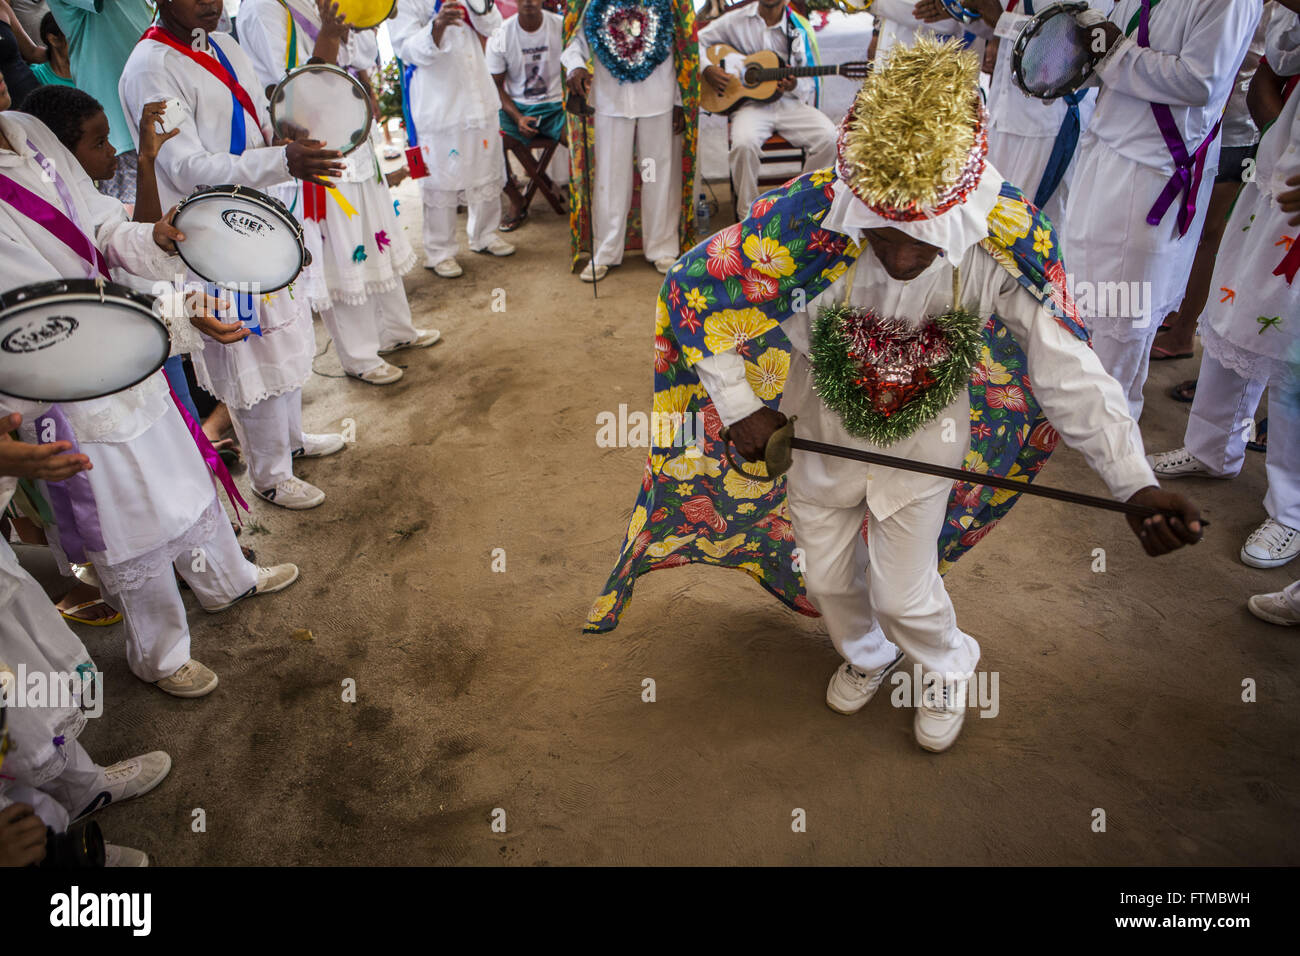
237	237
324	103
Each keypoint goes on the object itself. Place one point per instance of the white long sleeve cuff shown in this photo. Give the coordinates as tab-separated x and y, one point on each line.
723	377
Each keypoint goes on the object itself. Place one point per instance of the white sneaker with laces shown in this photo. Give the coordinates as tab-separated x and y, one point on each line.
318	446
1180	463
294	494
269	580
851	689
663	265
1274	608
128	778
593	272
496	246
192	679
448	269
124	856
1271	545
423	339
384	374
939	718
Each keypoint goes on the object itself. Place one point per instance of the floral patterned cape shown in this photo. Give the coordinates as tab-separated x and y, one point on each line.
732	291
686	57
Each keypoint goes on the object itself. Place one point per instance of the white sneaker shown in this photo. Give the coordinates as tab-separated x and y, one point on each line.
391	152
1179	464
294	494
191	680
851	689
1271	545
269	580
423	339
384	374
318	446
448	269
1274	608
663	265
124	856
593	272
938	722
128	778
496	246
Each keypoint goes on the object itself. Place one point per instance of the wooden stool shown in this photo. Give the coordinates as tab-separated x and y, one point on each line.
534	156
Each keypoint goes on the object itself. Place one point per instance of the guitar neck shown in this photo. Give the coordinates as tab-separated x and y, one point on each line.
780	73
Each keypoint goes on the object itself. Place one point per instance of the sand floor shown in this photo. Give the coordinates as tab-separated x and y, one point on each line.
475	690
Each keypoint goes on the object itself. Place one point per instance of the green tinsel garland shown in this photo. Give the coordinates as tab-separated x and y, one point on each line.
834	370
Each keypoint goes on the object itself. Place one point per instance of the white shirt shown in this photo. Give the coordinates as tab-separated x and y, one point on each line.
1279	150
451	88
265	39
1084	404
746	31
898	25
1239	127
200	154
656	94
530	61
1197	46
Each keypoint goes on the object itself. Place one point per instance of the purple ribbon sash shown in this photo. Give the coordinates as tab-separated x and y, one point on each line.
210	456
1190	170
313	32
72	499
58	223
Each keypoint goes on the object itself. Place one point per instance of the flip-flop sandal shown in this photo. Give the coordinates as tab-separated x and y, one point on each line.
71	614
1261	437
510	225
1184	392
1161	354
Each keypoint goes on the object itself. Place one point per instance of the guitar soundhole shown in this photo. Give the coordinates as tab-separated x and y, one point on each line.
751	75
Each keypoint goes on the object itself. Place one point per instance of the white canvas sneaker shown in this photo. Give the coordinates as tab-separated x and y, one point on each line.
124	856
938	721
1271	545
448	269
129	778
1180	463
851	689
384	374
424	338
318	446
269	580
1274	608
496	246
593	272
294	494
191	680
663	265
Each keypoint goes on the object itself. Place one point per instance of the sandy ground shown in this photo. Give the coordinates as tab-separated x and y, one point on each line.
475	690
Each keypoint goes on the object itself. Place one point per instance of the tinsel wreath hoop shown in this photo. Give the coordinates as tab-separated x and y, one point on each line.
630	37
886	378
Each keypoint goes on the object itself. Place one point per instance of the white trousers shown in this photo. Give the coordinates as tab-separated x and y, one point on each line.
440	221
157	629
880	595
752	125
51	812
360	331
78	784
269	433
1291	593
657	150
1217	431
1127	360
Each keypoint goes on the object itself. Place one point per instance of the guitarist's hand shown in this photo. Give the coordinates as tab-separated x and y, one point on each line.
718	78
580	83
788	84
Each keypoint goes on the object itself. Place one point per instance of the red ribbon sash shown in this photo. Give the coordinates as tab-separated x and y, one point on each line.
212	66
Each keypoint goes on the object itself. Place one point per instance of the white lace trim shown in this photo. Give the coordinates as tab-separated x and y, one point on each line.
102	419
450	198
355	293
134	573
1245	362
185	338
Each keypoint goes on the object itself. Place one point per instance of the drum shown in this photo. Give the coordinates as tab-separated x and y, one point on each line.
479	7
239	238
1053	55
73	339
364	14
324	103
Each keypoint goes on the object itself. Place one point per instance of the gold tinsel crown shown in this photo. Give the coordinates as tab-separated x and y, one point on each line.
914	142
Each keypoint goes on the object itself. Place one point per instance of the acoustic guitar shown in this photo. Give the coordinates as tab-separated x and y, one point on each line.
760	77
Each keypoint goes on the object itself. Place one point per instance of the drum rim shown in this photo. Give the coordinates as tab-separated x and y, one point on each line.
489	5
234	191
1031	30
371	26
331	68
81	290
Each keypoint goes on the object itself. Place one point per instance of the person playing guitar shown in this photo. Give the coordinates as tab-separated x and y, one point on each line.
767	25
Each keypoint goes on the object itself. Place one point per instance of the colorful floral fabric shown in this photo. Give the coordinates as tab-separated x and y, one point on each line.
686	59
732	291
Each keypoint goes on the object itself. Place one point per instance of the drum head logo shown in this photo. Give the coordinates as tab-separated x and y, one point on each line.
39	334
246	223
